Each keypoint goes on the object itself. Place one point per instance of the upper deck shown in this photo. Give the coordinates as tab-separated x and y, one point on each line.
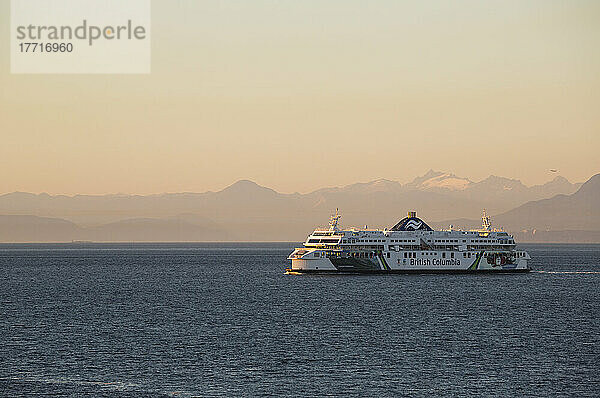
411	233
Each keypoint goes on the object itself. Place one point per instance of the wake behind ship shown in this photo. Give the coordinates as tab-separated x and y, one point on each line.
410	246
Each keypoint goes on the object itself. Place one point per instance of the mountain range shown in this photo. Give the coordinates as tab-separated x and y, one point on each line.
247	211
566	215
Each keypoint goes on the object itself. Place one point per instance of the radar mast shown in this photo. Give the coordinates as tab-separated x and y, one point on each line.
486	223
333	220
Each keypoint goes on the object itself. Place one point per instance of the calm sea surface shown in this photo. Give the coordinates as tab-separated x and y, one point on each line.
183	320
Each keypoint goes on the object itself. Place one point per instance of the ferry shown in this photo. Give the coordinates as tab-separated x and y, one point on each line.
410	246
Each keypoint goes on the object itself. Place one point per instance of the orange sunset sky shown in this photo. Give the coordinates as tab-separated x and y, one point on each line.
297	95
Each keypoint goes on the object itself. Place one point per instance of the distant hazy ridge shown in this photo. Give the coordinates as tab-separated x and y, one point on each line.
556	211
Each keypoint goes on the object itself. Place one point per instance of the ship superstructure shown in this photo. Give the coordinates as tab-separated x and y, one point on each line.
409	246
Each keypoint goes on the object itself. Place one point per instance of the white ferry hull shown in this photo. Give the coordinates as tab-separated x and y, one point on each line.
456	262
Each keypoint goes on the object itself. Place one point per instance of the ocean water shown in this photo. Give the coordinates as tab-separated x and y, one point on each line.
185	320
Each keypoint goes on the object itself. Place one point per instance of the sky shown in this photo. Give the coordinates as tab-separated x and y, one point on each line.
298	95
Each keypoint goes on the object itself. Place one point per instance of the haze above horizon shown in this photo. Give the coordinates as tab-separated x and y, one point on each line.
298	96
430	180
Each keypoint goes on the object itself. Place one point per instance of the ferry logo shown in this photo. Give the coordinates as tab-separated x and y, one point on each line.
412	224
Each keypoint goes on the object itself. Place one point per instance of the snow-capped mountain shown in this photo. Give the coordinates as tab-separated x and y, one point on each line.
439	180
450	184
